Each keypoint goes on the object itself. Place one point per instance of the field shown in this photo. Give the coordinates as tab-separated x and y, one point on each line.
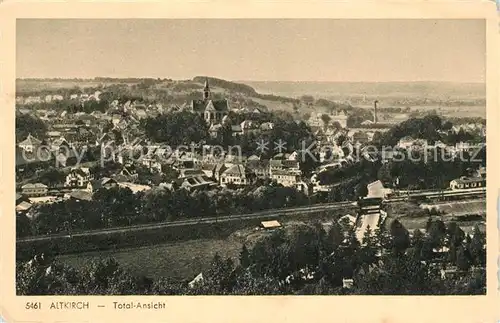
182	260
178	260
41	85
412	216
459	208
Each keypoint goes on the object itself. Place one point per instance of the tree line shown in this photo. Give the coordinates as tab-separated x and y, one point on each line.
295	260
121	207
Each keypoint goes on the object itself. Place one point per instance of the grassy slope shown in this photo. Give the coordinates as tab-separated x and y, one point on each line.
179	260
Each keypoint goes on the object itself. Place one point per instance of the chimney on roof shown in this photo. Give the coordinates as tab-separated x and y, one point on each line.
375	104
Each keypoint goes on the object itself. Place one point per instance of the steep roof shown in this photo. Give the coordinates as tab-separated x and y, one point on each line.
30	141
23	206
237	170
81	195
218	105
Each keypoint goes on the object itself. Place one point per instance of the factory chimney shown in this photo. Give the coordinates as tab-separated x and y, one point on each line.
375	104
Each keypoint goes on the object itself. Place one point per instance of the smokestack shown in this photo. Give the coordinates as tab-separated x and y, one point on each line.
375	111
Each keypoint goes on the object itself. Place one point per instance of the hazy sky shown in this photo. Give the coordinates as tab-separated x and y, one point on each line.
260	50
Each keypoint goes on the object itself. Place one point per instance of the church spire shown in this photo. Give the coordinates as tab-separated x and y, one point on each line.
206	90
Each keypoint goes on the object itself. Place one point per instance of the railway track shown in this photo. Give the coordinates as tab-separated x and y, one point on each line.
256	215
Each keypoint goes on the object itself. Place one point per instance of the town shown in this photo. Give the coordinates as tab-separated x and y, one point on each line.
101	159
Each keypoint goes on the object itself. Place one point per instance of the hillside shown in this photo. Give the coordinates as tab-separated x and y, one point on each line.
447	98
158	90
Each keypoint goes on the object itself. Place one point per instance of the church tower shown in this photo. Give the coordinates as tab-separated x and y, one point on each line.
206	90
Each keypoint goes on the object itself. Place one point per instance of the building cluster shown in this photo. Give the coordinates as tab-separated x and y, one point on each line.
34	99
70	133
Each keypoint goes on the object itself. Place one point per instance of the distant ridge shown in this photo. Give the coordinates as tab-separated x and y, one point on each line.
430	89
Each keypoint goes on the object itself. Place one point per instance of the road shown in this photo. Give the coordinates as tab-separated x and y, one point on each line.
371	220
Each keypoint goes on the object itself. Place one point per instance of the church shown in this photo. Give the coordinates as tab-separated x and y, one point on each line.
213	111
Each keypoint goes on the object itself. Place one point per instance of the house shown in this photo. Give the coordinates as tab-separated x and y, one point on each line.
53	134
219	169
43	199
135	188
208	169
116	118
464	146
340	117
19	198
267	126
78	177
359	137
406	142
24	111
197	182
481	172
141	114
198	280
58	143
152	162
79	195
104	182
129	171
236	130
304	186
377	190
23	207
409	142
286	178
238	175
214	130
212	110
467	182
30	143
33	99
37	189
347	283
190	172
249	126
259	167
276	165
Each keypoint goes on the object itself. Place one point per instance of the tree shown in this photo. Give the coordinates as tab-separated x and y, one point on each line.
326	119
244	257
307	99
52	177
361	190
400	236
27	124
463	262
178	128
476	247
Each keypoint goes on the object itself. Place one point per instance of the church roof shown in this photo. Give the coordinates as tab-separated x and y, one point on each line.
218	105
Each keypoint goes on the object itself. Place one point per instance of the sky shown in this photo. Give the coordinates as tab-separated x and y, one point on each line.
254	49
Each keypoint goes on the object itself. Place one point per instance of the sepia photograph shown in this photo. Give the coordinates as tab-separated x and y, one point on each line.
250	157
